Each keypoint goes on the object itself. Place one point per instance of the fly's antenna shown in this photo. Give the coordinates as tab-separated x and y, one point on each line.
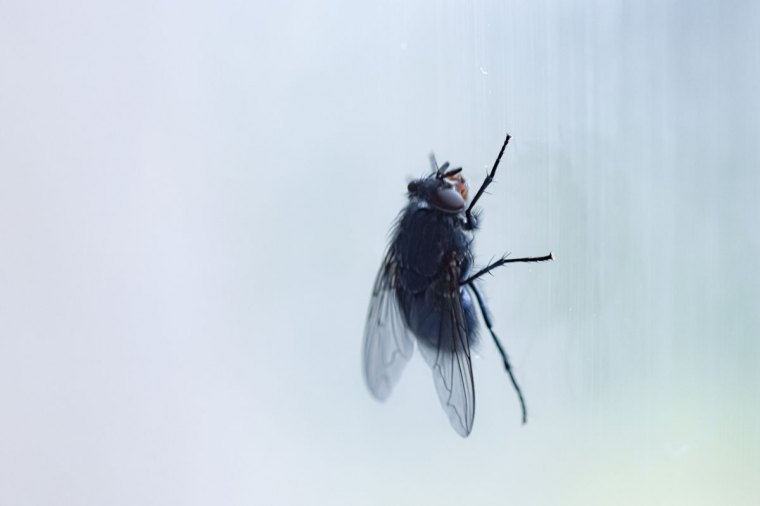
452	172
433	163
441	172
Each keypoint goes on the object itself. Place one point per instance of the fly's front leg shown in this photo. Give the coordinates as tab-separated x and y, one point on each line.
472	220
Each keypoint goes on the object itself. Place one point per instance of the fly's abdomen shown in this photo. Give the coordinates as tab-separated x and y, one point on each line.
470	319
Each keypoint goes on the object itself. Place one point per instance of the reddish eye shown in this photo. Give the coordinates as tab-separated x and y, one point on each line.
447	200
460	184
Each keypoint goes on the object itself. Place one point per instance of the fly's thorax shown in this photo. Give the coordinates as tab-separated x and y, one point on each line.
425	244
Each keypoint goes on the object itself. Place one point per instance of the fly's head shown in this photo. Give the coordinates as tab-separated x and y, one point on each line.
443	190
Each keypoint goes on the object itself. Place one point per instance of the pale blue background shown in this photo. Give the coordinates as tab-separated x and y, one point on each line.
194	199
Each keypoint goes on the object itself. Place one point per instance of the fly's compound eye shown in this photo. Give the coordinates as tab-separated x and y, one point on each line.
447	199
412	187
460	184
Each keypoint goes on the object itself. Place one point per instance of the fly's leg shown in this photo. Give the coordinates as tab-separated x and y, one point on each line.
504	358
489	179
504	260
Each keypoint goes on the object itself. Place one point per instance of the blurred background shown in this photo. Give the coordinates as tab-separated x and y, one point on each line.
195	198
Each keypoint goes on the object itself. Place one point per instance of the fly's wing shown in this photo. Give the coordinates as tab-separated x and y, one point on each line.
388	343
450	360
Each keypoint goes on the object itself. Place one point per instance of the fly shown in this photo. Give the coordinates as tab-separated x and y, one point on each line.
426	292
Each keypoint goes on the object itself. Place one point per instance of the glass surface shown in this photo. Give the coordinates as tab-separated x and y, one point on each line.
195	199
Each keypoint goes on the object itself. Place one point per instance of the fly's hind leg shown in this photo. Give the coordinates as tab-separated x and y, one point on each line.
502	352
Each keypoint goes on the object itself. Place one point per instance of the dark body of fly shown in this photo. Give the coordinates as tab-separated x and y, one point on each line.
426	293
432	252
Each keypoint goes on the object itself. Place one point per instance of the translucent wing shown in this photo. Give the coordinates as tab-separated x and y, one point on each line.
388	343
450	361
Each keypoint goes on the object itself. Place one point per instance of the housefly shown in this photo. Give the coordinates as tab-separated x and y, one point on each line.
425	291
